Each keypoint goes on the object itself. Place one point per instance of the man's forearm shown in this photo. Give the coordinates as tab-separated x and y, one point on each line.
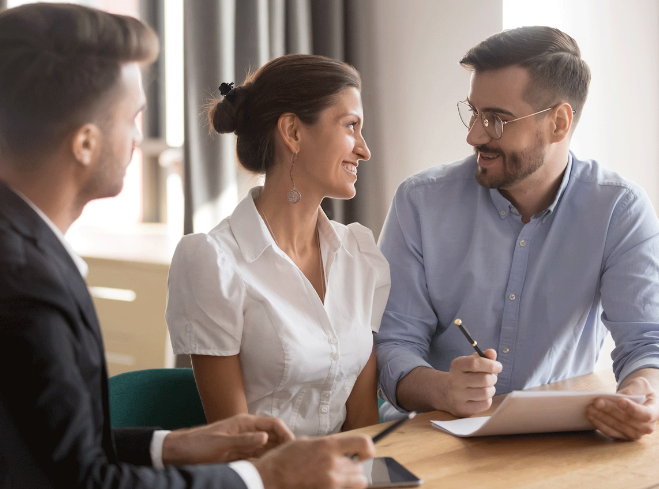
423	389
649	374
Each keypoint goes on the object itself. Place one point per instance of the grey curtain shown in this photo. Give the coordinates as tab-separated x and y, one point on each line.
224	40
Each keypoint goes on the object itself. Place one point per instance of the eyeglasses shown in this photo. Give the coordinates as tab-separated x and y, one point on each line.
491	122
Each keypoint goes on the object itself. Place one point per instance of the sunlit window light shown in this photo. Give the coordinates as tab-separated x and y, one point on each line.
113	294
174	132
518	13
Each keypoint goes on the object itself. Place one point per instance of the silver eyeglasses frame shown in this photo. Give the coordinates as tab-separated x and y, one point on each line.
486	122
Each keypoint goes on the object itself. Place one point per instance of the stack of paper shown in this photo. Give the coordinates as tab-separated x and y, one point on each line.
532	412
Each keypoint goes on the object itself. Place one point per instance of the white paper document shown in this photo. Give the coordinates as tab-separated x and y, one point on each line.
532	412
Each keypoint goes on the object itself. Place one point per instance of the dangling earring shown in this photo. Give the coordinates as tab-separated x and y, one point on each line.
293	196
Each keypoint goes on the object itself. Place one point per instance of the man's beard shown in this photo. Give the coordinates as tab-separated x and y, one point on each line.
108	177
516	166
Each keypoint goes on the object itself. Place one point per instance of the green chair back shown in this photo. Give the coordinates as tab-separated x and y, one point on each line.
162	397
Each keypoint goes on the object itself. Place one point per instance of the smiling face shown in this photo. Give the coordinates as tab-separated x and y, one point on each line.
118	115
522	149
332	147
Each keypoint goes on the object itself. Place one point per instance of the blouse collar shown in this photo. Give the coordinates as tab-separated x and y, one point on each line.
253	236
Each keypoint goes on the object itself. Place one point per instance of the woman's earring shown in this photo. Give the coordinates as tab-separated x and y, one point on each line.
293	196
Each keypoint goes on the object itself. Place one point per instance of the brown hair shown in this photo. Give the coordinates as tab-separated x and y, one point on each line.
551	57
300	84
56	62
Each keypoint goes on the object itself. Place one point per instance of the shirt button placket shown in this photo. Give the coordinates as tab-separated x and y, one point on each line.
326	394
510	321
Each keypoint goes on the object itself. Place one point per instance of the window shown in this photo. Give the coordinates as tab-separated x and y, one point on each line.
153	189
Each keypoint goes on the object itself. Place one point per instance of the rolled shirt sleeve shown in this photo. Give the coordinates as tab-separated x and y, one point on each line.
409	321
630	284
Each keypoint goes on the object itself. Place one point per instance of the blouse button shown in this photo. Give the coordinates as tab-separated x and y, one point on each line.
335	356
333	341
324	409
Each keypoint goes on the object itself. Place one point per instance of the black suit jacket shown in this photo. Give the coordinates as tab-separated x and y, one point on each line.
54	413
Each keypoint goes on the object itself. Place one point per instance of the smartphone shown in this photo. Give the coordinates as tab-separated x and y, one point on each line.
386	472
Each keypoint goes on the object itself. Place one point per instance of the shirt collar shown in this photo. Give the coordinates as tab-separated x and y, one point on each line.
504	206
80	264
328	233
564	182
253	236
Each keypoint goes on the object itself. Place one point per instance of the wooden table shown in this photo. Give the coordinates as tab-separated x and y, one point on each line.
558	460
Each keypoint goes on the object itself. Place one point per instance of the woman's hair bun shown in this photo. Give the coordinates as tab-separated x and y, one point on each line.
226	113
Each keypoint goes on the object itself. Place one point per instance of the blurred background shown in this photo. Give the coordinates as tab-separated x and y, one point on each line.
183	179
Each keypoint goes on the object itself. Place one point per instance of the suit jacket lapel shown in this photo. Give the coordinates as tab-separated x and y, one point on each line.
28	223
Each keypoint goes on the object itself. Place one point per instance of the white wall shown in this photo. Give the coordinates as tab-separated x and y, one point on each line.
620	42
412	82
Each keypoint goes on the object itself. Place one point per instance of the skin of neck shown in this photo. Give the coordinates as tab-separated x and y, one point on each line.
536	192
294	225
52	183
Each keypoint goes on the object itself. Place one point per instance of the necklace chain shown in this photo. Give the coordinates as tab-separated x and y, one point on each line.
320	255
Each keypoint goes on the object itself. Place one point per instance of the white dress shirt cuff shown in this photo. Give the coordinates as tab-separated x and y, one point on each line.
248	474
156	448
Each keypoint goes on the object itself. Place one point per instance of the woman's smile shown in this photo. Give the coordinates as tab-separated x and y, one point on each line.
350	167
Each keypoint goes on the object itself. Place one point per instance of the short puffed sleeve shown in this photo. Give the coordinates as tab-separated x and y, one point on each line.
378	263
205	298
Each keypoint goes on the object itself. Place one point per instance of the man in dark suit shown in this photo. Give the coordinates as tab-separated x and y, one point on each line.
70	93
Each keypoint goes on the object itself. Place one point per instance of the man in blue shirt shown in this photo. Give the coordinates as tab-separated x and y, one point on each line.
537	252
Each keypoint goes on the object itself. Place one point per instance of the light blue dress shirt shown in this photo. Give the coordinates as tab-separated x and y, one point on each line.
541	294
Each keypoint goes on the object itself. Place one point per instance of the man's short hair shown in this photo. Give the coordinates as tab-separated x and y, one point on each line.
551	57
57	61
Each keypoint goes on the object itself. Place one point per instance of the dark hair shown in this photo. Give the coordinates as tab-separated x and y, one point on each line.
300	84
551	57
56	62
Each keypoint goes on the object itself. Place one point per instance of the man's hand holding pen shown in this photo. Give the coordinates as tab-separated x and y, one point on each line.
466	389
471	383
471	379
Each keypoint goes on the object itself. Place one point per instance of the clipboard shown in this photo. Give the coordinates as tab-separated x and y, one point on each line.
523	412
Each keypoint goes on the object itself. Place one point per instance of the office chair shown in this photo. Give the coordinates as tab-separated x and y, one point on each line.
162	397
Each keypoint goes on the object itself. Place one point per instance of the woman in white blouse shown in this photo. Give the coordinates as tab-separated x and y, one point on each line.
277	304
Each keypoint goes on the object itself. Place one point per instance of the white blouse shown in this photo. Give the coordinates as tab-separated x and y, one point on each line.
233	291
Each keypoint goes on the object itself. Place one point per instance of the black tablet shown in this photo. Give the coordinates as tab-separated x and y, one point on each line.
386	472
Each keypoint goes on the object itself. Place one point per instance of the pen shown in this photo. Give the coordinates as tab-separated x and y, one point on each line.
393	427
385	432
472	342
